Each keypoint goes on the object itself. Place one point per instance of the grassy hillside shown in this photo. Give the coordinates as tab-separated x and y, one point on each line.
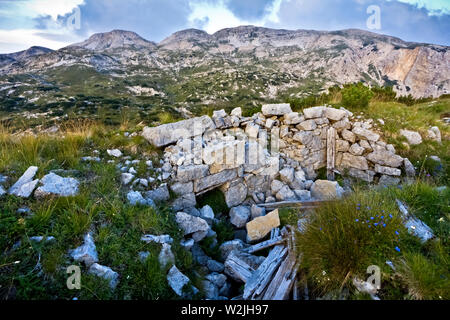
38	270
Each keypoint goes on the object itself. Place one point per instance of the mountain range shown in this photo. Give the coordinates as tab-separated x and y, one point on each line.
192	67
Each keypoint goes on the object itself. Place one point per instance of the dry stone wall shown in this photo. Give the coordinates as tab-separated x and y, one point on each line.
273	155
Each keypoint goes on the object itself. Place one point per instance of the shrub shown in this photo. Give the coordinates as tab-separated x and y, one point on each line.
343	238
356	96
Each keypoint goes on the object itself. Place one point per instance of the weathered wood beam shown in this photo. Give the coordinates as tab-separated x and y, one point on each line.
265	244
331	153
259	280
281	285
238	269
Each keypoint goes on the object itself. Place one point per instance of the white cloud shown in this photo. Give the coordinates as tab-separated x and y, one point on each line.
21	39
213	17
35	8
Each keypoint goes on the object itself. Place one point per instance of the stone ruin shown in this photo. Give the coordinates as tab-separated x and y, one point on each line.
274	155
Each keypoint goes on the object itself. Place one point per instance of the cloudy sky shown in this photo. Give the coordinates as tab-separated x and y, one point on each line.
57	23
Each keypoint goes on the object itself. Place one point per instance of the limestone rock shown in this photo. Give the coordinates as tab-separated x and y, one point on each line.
387	170
157	239
356	150
24	187
434	134
334	114
287	175
385	158
366	134
303	195
181	188
166	256
105	273
409	168
366	175
314	112
170	133
192	225
386	180
87	252
185	201
342	146
215	266
235	193
228	246
159	194
2	191
214	180
135	198
276	109
293	118
116	153
307	125
351	161
177	280
53	184
260	227
325	190
207	214
192	172
126	178
349	136
257	211
413	137
237	112
276	186
239	216
285	194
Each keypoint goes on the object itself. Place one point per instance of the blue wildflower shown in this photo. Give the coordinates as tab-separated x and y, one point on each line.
384	225
371	218
357	220
396	232
397	249
375	224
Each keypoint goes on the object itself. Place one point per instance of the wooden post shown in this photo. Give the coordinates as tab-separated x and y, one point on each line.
331	153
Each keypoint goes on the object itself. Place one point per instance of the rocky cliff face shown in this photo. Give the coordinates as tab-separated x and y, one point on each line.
286	62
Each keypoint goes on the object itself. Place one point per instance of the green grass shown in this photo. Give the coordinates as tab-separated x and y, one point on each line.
101	207
339	244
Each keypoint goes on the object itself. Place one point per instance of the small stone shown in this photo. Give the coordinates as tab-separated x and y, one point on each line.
303	195
87	252
177	280
105	273
257	211
413	137
239	216
160	194
325	190
53	184
387	170
192	225
276	109
166	256
285	194
215	266
157	239
187	244
386	180
116	153
287	175
260	227
409	168
356	150
314	112
207	214
228	246
307	125
25	186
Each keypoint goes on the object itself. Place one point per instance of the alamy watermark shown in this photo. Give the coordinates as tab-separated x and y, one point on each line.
374	20
74	280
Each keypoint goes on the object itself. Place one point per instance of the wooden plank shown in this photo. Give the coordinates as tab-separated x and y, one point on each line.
257	283
281	285
264	245
238	269
331	153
